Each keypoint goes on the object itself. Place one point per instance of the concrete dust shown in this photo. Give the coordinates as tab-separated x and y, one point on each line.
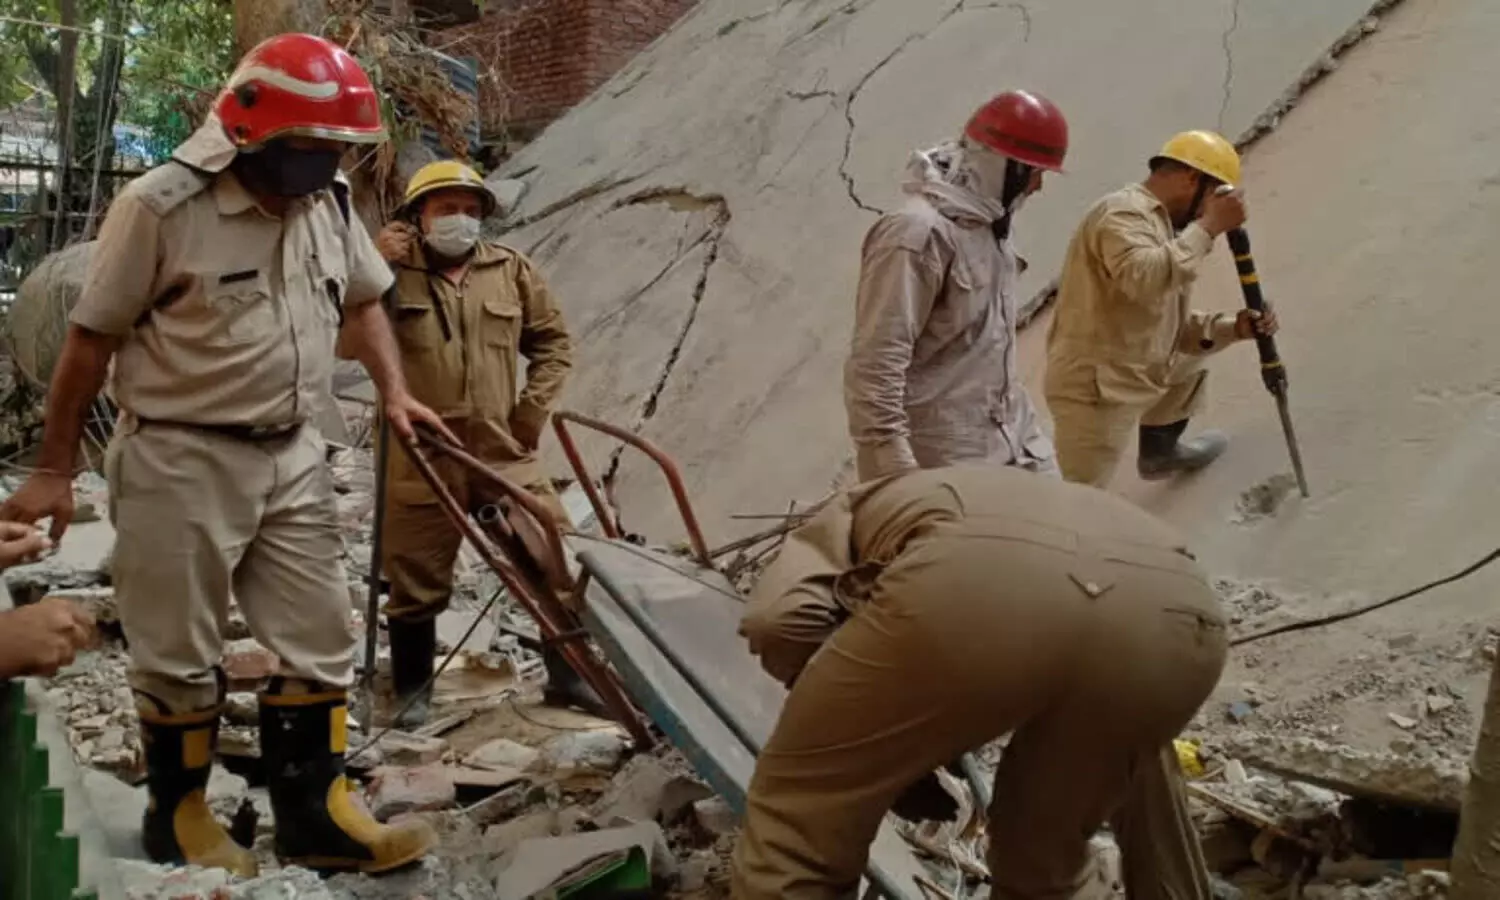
1264	499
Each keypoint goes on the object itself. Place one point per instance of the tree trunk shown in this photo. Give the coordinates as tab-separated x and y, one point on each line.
63	89
102	109
1476	854
256	20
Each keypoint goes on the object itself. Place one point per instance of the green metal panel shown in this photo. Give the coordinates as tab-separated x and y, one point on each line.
38	858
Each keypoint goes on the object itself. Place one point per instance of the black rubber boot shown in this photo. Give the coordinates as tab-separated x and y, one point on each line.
413	656
179	828
1163	452
320	824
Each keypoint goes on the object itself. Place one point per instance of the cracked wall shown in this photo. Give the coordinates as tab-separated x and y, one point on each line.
799	116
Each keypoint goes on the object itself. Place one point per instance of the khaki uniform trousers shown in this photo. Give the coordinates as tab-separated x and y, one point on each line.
1093	436
200	516
420	542
1094	657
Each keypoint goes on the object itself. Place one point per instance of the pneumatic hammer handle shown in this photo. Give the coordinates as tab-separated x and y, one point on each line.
1272	372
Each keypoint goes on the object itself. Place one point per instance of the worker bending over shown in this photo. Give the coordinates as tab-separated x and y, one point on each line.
219	284
466	311
921	616
1126	348
931	378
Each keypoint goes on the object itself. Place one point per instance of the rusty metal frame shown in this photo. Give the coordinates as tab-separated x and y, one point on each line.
556	623
668	467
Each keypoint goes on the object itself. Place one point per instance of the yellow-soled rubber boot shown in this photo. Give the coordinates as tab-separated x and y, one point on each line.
179	827
320	822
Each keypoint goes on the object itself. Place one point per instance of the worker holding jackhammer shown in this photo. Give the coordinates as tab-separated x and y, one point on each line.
218	287
931	378
466	310
1126	350
921	616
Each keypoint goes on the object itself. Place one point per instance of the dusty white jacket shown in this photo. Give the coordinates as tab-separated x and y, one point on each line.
931	378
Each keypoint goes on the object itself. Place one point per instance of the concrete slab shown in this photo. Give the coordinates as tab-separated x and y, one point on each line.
1373	214
801	116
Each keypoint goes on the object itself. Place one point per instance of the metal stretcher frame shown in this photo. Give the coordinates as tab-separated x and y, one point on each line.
564	627
557	624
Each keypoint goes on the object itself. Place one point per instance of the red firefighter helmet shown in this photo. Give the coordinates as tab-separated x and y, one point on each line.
1023	126
299	84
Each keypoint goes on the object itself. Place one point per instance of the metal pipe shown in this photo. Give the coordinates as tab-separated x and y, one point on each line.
664	462
555	546
377	544
585	478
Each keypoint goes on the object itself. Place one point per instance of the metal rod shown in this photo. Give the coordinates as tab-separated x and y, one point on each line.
538	605
377	543
585	478
664	462
1272	370
555	547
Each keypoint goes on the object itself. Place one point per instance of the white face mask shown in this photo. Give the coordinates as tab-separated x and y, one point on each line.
453	236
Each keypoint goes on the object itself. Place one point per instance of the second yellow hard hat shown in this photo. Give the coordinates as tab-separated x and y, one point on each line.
1205	151
444	174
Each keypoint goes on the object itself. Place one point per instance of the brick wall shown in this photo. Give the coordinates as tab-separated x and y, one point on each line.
540	58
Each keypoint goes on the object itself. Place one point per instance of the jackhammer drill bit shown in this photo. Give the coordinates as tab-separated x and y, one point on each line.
1272	371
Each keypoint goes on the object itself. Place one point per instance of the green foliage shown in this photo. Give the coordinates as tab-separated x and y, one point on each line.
176	54
181	52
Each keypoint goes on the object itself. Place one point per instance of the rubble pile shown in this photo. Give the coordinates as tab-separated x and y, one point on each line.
1277	810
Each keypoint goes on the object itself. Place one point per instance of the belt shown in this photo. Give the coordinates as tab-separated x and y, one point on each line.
238	432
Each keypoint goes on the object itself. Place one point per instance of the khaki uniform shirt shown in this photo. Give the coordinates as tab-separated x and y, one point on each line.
1124	314
461	346
932	378
229	315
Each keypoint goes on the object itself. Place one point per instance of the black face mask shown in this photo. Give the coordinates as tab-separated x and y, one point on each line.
282	170
1017	178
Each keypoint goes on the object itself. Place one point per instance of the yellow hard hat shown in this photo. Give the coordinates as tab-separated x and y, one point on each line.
443	174
1205	151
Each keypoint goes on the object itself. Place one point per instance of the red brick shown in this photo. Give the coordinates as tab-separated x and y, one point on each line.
546	56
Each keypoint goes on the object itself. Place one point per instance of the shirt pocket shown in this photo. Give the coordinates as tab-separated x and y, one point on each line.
500	323
239	308
328	289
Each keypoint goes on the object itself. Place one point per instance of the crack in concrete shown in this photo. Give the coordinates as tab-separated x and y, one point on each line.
1228	43
853	96
583	194
679	199
1267	121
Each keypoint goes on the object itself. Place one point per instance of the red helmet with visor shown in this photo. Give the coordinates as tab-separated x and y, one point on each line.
299	85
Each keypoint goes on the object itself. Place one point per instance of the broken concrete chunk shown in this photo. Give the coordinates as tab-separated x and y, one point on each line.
398	748
1420	778
715	816
147	881
247	663
645	790
503	805
285	884
585	752
505	837
503	754
394	791
242	708
553	863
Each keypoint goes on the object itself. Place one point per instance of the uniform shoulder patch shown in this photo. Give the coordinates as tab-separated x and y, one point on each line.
168	186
